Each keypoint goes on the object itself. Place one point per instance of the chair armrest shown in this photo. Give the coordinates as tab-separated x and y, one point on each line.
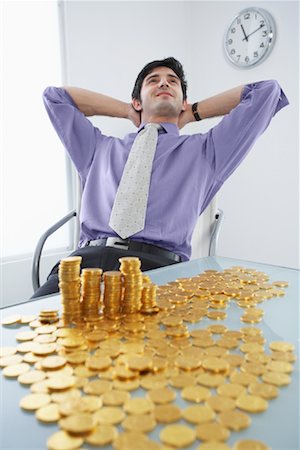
215	232
38	250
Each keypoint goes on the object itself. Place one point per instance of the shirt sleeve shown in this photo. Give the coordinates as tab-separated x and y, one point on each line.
75	131
229	141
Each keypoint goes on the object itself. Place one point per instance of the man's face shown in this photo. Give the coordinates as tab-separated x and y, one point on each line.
161	95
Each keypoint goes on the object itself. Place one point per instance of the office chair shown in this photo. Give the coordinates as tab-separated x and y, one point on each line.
214	235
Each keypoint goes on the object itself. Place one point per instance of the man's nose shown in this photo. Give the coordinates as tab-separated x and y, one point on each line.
163	82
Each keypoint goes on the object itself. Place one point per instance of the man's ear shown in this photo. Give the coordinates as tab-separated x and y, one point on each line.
136	104
184	105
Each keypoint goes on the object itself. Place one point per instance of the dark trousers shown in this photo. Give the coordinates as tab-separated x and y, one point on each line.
107	258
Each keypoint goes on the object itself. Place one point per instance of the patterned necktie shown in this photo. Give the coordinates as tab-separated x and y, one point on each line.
130	205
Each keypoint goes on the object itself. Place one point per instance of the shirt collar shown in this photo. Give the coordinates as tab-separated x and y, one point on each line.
170	128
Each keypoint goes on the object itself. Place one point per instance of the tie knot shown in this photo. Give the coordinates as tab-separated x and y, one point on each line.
153	125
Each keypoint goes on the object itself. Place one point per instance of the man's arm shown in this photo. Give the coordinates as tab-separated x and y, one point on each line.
95	104
215	106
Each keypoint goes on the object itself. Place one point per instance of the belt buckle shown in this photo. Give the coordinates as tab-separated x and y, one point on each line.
117	243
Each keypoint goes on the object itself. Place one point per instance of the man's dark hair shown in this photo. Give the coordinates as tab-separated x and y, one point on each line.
170	62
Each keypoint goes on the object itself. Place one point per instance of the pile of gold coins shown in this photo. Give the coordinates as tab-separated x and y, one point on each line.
90	294
70	288
180	371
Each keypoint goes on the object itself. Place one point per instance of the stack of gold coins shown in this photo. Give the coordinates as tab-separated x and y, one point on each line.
91	294
69	286
113	291
149	305
133	284
48	316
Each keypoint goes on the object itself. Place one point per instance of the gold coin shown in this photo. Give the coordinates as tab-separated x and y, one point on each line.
220	403
7	351
130	385
34	401
61	397
195	393
178	436
276	378
15	370
140	363
280	366
97	387
86	404
11	320
27	319
267	391
10	360
231	390
213	446
210	380
198	414
242	378
251	403
280	346
31	377
167	413
102	435
212	432
215	365
182	380
43	349
60	382
48	413
143	422
109	415
132	440
216	315
26	336
78	423
234	420
161	396
250	444
138	405
115	398
63	441
53	362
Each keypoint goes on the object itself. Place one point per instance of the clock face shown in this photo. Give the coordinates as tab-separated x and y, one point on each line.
249	38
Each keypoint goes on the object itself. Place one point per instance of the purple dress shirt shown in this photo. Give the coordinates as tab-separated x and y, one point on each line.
188	170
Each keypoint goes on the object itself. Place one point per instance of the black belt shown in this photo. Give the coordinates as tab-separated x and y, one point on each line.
128	244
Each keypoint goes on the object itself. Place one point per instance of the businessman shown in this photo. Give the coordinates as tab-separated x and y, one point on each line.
142	195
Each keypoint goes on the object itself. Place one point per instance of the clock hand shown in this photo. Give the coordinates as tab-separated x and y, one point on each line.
246	37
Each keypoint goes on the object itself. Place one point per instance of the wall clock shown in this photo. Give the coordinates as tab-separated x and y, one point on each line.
249	38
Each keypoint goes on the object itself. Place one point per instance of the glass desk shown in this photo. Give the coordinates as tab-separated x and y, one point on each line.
278	427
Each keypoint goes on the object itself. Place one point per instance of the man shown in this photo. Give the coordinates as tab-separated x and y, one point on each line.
186	172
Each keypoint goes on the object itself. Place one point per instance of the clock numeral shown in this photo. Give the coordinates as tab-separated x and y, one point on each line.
262	23
230	41
232	52
238	57
233	30
247	16
255	54
264	34
262	45
247	59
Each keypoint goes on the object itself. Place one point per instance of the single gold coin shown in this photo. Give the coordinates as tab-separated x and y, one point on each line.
276	378
85	404
215	365
133	440
234	420
48	413
178	436
78	423
197	414
231	390
212	432
60	382
53	362
15	370
27	319
143	422
251	403
210	379
33	376
161	396
115	398
102	435
167	413
10	360
130	385
280	366
11	320
242	378
280	346
182	380
264	390
33	402
220	403
195	393
63	441
250	444
26	336
43	349
138	405
213	446
7	351
109	415
61	397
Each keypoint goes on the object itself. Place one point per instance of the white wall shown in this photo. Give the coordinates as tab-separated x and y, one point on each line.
107	43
